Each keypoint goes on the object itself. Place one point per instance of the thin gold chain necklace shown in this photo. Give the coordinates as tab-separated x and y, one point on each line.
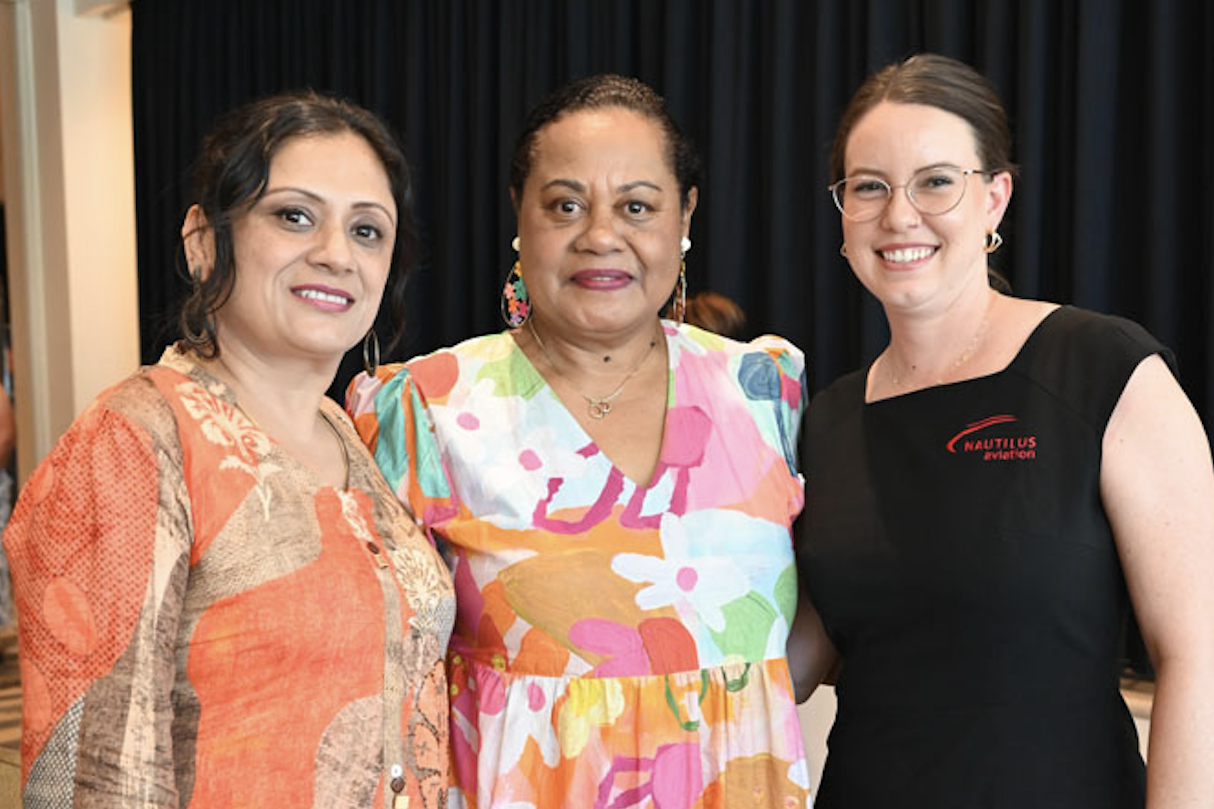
961	360
598	407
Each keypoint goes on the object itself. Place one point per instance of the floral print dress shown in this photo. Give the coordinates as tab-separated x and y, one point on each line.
616	645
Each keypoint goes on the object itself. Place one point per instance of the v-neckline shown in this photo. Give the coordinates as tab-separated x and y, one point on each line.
587	440
222	391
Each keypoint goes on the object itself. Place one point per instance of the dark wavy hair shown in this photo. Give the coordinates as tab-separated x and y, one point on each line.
597	92
230	176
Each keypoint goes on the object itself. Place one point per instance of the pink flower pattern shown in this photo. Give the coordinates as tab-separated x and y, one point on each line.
617	645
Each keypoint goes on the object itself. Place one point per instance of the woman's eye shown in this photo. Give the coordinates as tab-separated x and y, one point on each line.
867	187
635	208
294	216
368	232
568	206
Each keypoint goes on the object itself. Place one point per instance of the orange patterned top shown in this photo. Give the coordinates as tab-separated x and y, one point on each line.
203	623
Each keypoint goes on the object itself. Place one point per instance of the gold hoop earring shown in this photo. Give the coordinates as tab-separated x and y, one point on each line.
991	242
370	347
843	249
202	340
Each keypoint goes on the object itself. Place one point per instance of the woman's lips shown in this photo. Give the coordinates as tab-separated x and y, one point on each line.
601	279
328	299
907	255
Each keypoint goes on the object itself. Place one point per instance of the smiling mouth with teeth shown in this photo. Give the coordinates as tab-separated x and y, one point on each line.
907	255
316	294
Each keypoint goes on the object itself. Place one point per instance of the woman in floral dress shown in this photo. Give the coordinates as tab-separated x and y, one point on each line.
615	493
221	602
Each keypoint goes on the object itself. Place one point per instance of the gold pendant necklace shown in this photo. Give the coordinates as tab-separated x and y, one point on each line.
598	407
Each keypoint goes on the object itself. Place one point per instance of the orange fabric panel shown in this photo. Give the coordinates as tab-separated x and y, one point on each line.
265	700
81	553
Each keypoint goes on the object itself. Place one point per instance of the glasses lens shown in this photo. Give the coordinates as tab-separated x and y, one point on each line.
861	198
937	190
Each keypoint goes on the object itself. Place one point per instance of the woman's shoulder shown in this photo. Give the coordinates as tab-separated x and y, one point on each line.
1085	358
842	399
789	358
140	397
431	375
766	371
131	418
1077	335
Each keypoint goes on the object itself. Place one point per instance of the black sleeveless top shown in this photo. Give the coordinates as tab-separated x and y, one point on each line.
955	545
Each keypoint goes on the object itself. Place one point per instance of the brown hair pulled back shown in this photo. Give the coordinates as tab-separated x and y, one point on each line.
934	81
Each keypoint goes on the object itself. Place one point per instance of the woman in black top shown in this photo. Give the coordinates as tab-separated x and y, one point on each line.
984	496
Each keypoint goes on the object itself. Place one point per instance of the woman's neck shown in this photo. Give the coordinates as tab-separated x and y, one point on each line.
592	359
931	350
282	396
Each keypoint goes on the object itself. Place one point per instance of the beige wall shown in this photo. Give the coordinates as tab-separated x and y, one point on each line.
65	105
99	169
817	714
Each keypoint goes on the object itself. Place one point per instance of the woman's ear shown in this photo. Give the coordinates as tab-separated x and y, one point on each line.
198	239
998	195
693	195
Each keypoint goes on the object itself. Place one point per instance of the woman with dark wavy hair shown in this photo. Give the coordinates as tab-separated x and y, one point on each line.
221	601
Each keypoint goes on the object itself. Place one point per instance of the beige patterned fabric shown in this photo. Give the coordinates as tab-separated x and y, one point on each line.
202	623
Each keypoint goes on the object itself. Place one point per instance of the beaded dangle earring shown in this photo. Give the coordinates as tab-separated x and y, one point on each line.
515	305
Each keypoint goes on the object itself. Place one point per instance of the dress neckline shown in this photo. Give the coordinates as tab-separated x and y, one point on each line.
188	366
559	403
1033	337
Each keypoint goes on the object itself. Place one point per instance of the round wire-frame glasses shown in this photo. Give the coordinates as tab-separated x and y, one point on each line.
933	190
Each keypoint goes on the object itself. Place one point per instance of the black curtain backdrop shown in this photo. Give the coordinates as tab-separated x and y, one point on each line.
1110	102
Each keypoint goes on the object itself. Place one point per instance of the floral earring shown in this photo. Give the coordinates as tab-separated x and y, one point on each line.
515	304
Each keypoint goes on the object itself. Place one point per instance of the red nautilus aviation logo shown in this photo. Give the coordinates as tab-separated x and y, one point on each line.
975	438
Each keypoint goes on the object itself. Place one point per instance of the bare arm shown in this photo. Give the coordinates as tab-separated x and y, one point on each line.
812	658
1157	483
